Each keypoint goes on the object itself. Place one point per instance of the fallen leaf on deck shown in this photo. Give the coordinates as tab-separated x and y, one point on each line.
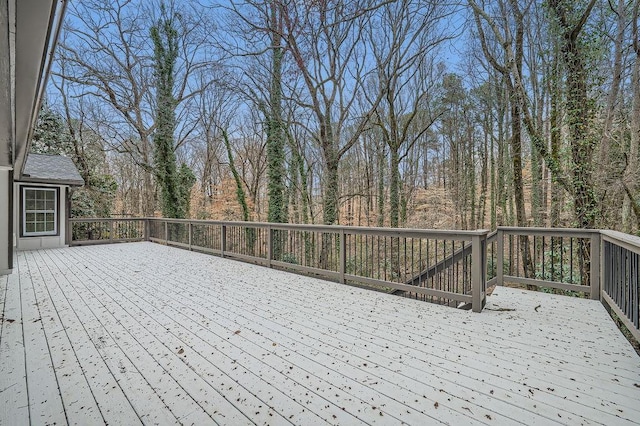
181	351
237	332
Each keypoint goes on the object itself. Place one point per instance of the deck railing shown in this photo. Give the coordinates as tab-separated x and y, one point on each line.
447	267
620	267
381	258
105	231
553	259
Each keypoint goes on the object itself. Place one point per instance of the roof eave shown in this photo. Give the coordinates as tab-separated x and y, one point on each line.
25	179
38	24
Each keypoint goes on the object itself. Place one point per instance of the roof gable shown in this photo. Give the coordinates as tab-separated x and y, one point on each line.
43	168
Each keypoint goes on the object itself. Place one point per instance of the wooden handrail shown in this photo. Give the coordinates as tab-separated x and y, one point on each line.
618	290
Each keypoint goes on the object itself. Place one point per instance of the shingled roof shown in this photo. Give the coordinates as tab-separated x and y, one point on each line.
42	168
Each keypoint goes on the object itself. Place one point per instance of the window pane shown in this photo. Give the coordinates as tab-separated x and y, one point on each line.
40	209
50	223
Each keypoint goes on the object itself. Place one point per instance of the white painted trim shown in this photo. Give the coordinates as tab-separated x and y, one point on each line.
23	209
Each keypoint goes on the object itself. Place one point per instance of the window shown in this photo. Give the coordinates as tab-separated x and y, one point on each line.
39	211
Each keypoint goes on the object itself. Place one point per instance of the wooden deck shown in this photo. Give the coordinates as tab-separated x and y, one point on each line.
143	333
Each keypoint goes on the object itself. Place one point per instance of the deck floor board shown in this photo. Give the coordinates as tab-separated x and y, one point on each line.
14	396
92	395
557	397
44	392
140	332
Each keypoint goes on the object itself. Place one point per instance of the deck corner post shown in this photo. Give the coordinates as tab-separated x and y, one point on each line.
269	245
478	258
500	258
343	256
189	225
223	239
596	261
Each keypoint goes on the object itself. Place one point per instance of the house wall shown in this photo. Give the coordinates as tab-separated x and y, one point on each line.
38	242
6	240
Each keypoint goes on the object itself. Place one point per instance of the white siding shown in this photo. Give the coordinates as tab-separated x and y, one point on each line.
5	194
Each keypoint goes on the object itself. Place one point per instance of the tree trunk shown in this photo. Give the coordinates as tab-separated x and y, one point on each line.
394	187
381	184
277	211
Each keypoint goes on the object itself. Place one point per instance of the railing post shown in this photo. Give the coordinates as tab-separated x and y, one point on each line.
500	258
343	256
69	231
269	246
166	232
111	231
223	239
596	254
147	229
189	226
477	272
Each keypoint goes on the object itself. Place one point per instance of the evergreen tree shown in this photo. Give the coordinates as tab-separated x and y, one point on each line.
49	136
55	135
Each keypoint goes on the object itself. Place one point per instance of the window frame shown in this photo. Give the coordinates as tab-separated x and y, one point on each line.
23	211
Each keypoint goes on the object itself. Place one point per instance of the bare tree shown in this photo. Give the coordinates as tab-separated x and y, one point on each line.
326	41
506	25
106	51
407	78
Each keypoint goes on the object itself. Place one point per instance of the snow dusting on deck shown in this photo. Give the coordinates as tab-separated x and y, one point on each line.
143	333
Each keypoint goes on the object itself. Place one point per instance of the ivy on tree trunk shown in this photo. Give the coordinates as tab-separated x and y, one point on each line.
175	187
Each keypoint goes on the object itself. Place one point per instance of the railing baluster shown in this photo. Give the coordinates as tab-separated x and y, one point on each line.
223	240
